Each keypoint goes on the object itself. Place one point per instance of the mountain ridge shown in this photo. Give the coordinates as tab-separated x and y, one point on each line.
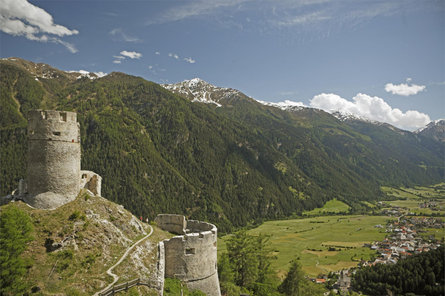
233	165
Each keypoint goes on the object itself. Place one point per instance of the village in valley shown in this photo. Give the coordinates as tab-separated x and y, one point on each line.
410	230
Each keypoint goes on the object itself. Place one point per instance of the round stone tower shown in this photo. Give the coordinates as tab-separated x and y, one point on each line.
192	256
53	174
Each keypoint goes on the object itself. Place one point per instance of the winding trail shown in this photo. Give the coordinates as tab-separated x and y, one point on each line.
115	276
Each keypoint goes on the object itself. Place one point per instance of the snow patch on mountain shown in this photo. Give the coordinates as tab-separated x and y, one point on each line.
434	123
90	75
344	116
285	105
201	91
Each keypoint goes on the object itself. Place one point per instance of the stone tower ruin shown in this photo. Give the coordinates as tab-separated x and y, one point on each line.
53	171
192	255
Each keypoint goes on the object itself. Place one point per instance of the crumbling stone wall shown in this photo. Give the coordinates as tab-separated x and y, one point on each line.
172	223
91	181
53	171
192	257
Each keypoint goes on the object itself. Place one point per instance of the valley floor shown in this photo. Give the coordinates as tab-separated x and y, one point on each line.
335	242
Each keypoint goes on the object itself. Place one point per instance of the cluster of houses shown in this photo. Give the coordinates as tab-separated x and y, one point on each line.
404	239
432	204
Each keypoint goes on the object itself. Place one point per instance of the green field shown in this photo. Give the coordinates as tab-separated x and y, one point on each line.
410	198
310	239
331	207
417	192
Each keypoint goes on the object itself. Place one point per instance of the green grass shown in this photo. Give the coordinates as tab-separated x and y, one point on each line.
439	234
368	204
81	270
410	198
417	192
331	207
310	239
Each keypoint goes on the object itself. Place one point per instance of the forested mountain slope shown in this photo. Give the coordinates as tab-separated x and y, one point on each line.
232	163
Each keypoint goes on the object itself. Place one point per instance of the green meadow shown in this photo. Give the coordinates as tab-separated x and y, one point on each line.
331	207
410	198
330	243
417	192
322	244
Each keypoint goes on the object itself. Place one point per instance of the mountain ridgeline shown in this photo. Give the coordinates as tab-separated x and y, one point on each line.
207	152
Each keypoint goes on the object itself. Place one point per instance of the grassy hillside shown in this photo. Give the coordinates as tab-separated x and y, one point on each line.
74	245
234	165
333	206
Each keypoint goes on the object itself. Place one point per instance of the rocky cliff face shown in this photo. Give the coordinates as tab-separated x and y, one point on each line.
434	130
198	90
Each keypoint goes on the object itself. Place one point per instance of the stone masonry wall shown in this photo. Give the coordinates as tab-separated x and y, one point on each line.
91	181
53	171
192	257
172	223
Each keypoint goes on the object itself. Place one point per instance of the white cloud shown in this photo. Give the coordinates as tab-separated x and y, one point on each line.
119	35
301	19
68	45
281	14
173	55
189	60
157	53
373	108
404	89
177	57
117	61
192	9
131	54
21	18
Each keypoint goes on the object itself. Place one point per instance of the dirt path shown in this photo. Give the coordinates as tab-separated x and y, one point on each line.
115	276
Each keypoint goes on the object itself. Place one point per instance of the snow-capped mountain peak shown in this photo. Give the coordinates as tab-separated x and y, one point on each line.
90	75
201	91
435	130
286	105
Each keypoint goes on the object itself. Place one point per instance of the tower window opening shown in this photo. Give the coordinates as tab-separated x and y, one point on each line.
63	116
190	251
56	133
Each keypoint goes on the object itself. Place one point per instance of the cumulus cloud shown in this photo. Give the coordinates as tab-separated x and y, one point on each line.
131	54
189	60
404	89
21	18
119	35
373	108
157	53
118	59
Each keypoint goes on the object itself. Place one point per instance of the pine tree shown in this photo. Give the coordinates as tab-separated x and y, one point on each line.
293	281
15	233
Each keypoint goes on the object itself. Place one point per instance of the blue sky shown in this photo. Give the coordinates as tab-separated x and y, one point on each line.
384	60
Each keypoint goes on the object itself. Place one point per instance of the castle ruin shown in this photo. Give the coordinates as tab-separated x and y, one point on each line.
192	255
53	176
